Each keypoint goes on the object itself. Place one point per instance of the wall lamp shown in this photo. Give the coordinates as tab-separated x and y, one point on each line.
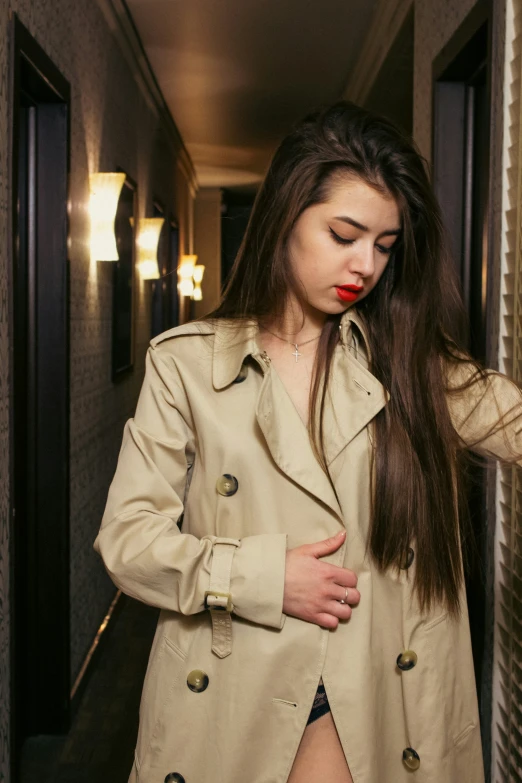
148	241
105	189
186	275
197	277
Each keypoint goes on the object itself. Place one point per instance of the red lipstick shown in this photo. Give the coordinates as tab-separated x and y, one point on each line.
348	293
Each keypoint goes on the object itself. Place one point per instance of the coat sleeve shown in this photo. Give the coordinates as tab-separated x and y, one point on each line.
140	542
487	414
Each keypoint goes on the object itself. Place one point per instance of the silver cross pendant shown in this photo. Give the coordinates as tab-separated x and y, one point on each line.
296	353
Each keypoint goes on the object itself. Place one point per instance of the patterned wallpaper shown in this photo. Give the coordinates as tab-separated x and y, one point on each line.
111	125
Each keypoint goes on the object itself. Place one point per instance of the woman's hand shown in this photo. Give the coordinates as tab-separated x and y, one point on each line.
314	589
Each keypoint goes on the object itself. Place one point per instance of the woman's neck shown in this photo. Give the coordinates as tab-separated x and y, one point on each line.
297	323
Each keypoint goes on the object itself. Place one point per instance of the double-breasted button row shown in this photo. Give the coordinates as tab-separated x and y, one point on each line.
406	661
227	485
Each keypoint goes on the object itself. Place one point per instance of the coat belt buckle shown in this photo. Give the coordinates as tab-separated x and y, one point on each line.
218	602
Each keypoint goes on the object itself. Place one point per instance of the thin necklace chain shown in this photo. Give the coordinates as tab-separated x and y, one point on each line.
296	346
291	342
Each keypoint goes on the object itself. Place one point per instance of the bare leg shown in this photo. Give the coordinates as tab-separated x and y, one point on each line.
320	758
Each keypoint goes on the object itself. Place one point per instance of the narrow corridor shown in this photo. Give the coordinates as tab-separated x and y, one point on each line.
134	138
100	744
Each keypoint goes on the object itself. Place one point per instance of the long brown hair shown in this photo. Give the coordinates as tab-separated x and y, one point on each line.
414	321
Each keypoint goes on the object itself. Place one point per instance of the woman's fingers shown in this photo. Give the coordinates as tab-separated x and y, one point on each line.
339	610
349	595
342	576
336	613
337	606
326	547
315	589
327	621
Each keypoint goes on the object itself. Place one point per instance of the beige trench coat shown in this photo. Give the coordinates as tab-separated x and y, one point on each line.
227	694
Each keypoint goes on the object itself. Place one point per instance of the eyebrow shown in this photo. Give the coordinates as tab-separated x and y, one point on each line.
345	219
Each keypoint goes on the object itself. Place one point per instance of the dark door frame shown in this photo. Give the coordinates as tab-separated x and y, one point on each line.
456	69
462	78
39	386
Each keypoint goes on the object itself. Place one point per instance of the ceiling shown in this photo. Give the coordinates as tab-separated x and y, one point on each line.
236	74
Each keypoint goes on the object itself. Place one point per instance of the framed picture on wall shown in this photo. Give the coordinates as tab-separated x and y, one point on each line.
158	287
172	267
123	282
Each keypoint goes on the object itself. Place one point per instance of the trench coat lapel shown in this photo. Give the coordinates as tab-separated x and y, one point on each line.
289	443
354	397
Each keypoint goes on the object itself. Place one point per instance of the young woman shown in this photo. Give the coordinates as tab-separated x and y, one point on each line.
287	493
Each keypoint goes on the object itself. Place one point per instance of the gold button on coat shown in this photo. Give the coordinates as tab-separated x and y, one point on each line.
174	777
407	660
411	758
227	485
197	681
408	558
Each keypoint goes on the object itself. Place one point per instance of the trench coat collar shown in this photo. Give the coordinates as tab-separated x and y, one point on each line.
354	397
232	345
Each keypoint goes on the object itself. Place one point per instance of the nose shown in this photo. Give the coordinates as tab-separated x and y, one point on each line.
362	261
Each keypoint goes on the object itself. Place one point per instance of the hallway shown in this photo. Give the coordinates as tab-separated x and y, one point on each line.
134	135
100	743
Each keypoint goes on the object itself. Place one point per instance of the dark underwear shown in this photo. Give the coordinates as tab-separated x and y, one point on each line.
320	706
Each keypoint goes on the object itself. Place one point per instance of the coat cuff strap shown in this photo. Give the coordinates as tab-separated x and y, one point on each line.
218	599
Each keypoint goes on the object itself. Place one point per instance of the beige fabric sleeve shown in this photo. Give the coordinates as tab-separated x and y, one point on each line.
488	414
142	547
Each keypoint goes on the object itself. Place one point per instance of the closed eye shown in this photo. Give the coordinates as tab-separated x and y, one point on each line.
384	250
340	240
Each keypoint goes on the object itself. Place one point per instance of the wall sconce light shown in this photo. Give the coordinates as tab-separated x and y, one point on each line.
105	189
186	275
197	277
148	240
